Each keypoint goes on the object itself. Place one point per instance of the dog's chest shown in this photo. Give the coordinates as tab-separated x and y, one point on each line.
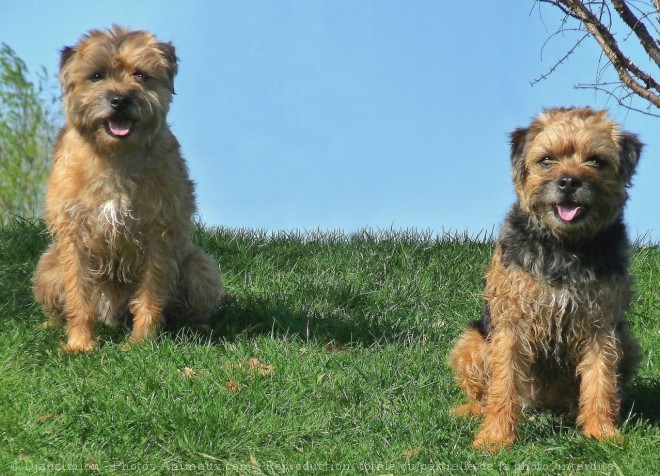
113	203
564	318
117	242
549	314
115	216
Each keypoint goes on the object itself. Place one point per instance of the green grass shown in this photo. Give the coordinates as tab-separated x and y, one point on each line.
330	360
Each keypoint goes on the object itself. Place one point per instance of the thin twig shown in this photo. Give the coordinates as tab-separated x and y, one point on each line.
596	18
559	62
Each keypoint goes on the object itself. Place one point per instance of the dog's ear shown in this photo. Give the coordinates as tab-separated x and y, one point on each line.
167	50
65	54
631	148
518	143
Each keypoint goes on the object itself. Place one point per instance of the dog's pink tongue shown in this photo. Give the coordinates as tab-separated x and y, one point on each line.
119	128
568	212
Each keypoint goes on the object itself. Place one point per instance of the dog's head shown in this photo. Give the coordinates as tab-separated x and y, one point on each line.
571	168
117	86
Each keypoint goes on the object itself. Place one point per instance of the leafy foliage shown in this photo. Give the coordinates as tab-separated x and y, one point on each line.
27	130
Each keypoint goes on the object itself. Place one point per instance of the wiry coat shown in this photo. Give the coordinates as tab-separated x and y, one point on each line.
554	333
119	200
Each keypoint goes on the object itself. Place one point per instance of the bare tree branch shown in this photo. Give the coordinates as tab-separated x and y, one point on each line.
595	17
623	100
647	41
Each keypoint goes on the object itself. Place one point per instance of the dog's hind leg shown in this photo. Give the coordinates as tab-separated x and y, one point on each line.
468	359
630	356
198	290
48	288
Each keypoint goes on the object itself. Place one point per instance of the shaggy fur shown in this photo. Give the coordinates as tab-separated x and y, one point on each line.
554	334
119	202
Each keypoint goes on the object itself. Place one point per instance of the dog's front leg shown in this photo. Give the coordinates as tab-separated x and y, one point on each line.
78	308
599	397
503	406
151	297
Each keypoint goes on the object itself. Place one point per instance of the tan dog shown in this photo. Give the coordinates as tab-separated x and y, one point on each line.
554	334
119	201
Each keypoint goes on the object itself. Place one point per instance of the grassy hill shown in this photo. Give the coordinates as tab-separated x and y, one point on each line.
330	360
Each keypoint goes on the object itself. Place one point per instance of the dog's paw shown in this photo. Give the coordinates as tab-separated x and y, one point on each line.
136	340
492	443
467	410
77	348
131	342
128	345
603	433
52	324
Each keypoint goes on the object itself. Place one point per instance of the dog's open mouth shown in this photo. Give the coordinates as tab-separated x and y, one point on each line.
119	128
569	212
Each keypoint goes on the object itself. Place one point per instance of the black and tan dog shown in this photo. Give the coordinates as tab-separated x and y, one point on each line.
554	334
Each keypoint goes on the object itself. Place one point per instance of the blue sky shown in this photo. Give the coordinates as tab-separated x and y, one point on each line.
348	114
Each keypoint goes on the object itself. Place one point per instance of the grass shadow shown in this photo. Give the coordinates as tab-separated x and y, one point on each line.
642	401
243	318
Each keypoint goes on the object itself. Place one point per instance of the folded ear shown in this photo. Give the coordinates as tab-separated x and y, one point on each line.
518	144
167	50
631	148
65	54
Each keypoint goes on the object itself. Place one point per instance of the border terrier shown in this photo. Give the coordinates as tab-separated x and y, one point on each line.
554	334
119	200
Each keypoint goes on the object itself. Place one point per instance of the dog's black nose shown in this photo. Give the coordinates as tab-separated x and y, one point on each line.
569	183
120	103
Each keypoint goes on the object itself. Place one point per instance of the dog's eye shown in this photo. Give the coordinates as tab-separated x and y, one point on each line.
98	76
596	161
546	161
141	76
